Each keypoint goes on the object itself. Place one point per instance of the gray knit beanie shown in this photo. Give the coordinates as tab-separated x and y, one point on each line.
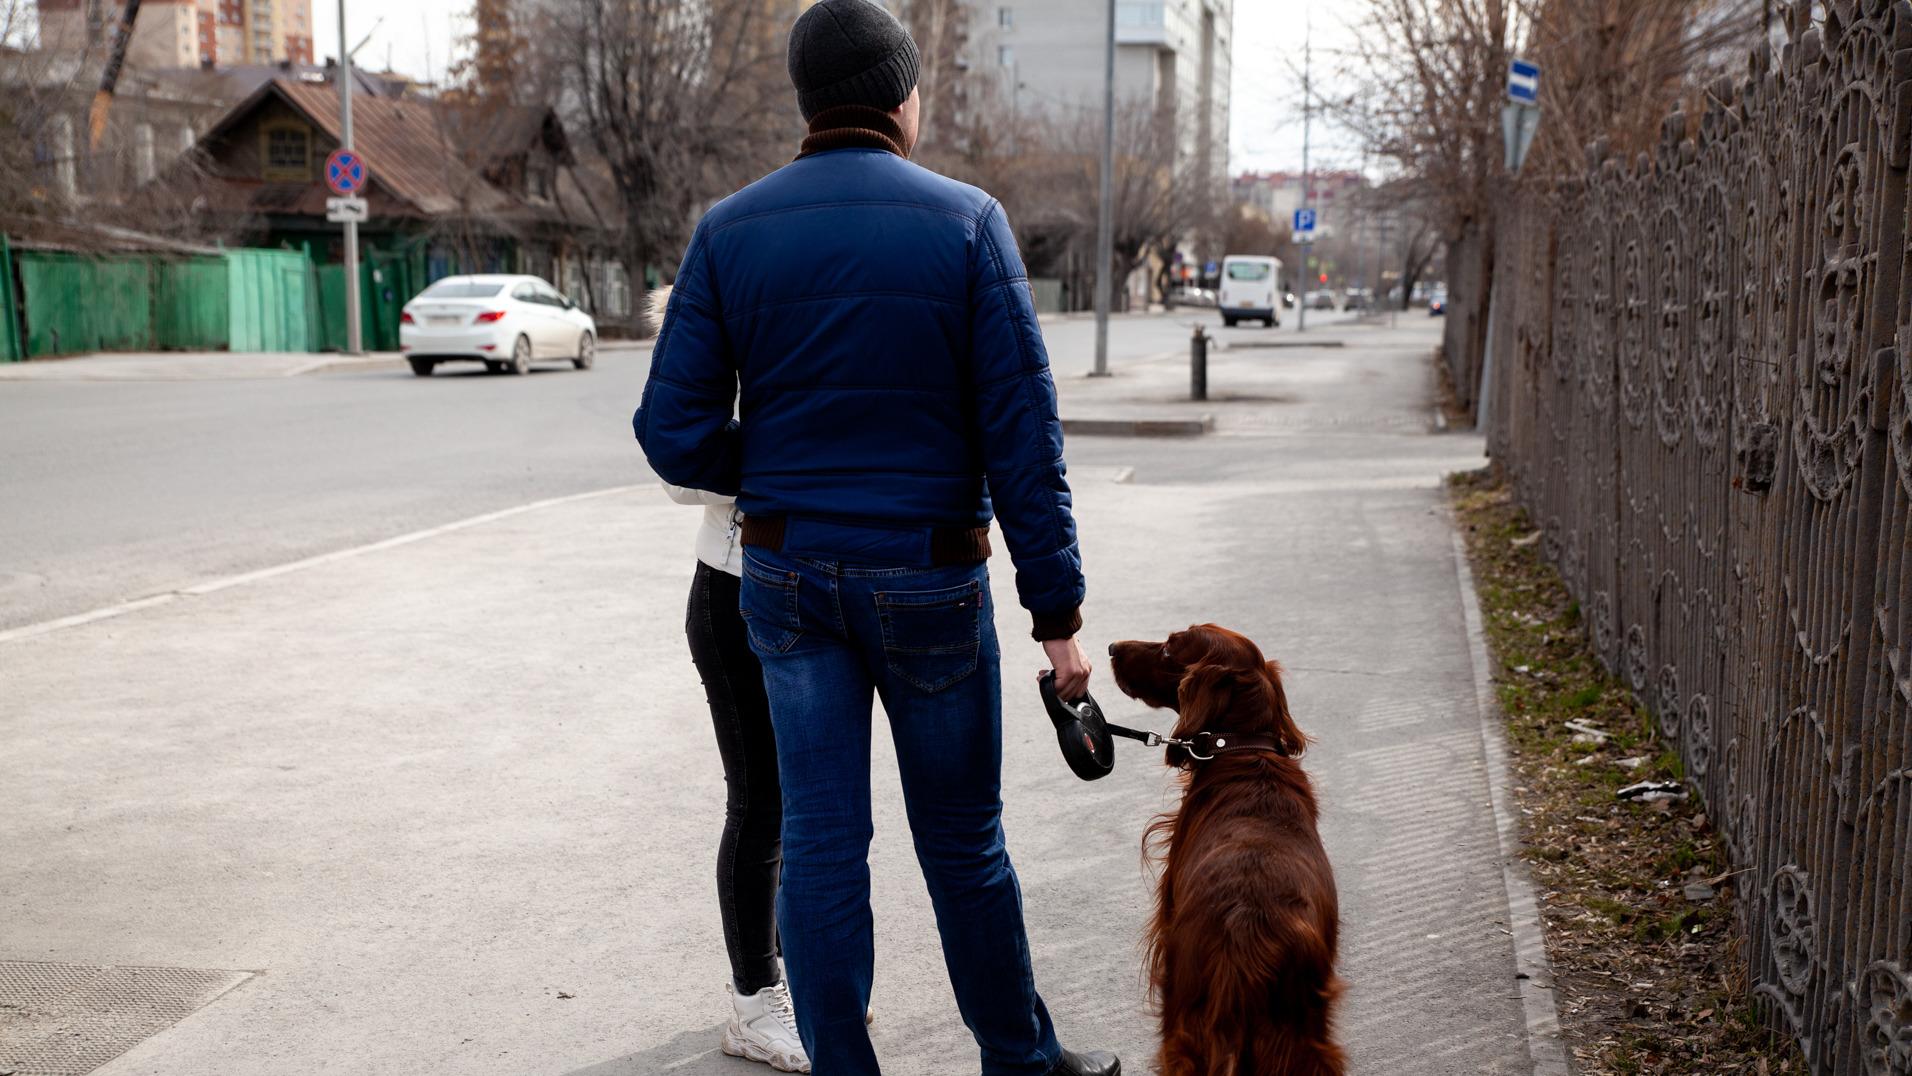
850	52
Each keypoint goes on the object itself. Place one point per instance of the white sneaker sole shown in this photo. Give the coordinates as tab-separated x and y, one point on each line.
736	1045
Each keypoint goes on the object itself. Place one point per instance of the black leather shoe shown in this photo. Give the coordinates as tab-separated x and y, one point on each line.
1093	1063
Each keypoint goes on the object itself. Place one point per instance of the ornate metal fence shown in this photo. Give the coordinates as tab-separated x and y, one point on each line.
1703	394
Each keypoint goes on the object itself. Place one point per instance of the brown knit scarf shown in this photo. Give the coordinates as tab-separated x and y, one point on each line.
853	127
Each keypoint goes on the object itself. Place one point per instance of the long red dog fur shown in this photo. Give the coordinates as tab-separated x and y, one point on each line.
1241	950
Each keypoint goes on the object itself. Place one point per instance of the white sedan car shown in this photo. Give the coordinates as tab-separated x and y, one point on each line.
505	322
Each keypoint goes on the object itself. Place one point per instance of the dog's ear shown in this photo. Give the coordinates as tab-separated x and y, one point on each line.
1205	691
1293	740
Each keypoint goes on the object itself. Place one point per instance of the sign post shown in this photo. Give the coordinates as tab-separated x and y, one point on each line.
1105	206
1519	118
345	165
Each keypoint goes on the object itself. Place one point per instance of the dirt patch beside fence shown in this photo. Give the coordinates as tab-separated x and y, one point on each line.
1635	892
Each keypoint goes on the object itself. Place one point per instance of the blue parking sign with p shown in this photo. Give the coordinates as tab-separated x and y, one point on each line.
1304	220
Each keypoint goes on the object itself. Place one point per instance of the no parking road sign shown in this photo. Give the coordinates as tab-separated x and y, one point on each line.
345	172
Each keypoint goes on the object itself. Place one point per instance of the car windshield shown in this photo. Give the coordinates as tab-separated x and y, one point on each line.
1247	271
461	289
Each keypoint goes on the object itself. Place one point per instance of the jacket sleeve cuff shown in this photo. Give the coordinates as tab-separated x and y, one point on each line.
1057	624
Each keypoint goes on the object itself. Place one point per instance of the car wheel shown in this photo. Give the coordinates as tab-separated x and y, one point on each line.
521	356
422	367
1273	323
493	367
587	352
1228	322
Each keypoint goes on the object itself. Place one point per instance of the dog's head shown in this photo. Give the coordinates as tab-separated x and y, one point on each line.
1215	679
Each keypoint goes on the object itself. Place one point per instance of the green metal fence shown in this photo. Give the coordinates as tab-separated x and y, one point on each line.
60	303
12	347
74	304
193	309
270	300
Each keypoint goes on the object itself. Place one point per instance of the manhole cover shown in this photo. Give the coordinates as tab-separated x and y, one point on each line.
67	1019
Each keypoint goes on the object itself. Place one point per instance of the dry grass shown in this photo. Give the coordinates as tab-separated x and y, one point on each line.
1636	898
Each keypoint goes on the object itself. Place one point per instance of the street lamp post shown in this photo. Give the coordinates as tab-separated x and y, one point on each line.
353	343
1105	215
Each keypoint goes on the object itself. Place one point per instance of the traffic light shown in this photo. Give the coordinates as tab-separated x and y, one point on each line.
1324	278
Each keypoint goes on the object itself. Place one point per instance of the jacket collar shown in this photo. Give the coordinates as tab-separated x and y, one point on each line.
853	127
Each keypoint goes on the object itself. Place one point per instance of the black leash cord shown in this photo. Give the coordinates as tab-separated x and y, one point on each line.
1153	739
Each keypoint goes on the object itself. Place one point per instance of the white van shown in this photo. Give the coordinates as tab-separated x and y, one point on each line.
1251	289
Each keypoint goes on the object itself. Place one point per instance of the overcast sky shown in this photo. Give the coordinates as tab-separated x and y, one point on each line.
418	37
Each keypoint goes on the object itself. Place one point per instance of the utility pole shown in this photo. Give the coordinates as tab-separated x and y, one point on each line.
1307	130
353	343
1105	216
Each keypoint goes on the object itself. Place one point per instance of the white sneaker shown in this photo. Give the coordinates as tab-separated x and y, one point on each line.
763	1027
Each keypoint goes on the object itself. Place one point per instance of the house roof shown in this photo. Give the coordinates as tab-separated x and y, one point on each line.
230	84
89	237
433	158
409	146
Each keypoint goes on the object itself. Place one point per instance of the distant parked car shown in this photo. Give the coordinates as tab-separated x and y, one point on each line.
1191	297
1437	303
1357	299
1322	299
505	322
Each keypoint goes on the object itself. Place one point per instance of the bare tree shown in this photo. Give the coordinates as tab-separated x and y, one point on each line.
948	87
1433	74
1048	183
40	157
1616	67
683	99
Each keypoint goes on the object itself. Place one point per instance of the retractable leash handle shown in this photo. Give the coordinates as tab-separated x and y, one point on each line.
1081	731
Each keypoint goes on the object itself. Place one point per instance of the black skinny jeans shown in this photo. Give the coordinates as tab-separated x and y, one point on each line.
750	855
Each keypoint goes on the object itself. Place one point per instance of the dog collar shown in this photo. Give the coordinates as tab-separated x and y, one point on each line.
1206	745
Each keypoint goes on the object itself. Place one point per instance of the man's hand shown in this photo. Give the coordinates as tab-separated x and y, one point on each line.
1071	668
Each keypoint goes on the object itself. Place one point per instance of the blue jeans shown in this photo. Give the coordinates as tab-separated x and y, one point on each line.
923	638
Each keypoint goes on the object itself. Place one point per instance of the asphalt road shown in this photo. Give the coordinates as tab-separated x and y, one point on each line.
111	491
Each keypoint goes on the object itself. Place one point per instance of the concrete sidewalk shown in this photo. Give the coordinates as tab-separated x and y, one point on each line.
454	802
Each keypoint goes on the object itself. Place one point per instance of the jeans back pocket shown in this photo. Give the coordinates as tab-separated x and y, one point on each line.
931	638
768	603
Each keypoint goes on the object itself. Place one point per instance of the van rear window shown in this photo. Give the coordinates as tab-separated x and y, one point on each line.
1247	271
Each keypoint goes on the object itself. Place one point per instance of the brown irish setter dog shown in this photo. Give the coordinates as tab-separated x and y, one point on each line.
1241	952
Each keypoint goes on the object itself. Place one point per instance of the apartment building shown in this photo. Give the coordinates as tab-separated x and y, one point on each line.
187	33
1047	56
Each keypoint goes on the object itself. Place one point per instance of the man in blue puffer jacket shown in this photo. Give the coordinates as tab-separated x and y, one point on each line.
872	324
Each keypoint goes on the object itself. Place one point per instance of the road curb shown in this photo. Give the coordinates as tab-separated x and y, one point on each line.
1139	427
1533	969
1232	345
392	361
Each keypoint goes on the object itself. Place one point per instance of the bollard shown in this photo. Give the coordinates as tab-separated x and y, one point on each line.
1198	365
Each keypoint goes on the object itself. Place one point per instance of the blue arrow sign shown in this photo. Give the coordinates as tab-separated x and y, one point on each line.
1523	82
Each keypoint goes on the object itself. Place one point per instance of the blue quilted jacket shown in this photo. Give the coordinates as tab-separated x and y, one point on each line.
872	324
